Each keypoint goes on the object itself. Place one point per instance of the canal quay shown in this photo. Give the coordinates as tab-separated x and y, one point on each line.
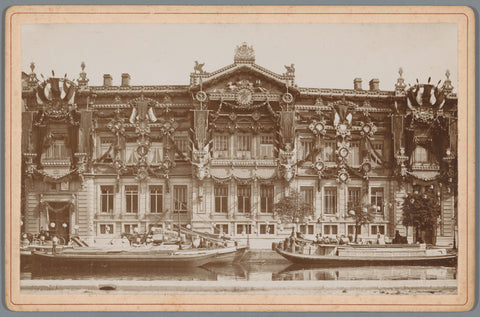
261	271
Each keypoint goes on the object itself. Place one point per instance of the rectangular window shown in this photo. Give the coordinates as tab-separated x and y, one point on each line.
354	154
266	146
106	199
221	143
244	229
267	229
243	197
377	157
351	229
353	197
266	198
57	151
155	154
330	229
131	154
130	228
221	229
221	198
375	229
156	199
330	200
244	143
107	228
180	199
329	151
307	229
307	193
221	146
131	197
182	145
376	198
306	147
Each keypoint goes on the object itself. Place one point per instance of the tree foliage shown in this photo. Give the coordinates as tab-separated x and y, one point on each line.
293	207
362	214
421	210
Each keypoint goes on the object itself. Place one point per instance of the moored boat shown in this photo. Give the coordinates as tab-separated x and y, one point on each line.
124	257
345	255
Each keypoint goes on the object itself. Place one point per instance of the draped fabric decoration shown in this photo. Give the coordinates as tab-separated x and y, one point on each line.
47	207
39	133
242	181
201	125
287	126
371	150
107	152
452	124
27	120
73	130
85	126
56	179
397	131
409	144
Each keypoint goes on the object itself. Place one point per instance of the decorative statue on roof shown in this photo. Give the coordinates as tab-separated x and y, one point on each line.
198	68
290	69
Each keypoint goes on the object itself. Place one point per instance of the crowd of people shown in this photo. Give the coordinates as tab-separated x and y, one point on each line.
297	241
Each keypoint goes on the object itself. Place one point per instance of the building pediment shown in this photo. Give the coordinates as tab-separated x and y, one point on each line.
243	72
229	78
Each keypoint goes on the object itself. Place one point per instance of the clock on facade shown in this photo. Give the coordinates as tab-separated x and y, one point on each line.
244	97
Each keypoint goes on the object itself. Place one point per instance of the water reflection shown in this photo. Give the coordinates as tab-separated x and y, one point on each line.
244	271
295	273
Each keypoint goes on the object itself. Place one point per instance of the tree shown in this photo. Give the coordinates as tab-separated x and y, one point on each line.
421	211
363	214
293	208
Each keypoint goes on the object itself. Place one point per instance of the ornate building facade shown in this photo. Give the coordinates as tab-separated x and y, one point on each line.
218	153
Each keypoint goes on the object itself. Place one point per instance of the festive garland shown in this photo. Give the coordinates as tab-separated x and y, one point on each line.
223	180
56	179
45	206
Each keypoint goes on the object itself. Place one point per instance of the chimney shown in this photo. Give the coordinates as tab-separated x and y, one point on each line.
374	84
125	79
107	80
357	84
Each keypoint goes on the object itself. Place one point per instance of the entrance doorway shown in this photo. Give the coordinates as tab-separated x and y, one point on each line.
59	220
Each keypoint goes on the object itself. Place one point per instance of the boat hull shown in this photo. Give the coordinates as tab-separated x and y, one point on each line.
229	255
335	260
122	259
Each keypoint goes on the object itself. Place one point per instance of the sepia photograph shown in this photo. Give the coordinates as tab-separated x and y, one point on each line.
264	159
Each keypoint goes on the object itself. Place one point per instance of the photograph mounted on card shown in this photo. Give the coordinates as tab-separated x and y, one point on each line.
236	173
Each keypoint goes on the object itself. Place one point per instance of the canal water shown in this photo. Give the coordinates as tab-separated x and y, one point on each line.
281	271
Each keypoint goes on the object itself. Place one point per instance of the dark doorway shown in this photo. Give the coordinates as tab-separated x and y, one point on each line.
59	220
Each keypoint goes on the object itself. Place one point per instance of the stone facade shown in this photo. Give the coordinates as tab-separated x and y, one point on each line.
218	153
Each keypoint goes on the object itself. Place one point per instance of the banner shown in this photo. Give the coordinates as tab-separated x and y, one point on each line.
287	126
85	127
397	131
201	126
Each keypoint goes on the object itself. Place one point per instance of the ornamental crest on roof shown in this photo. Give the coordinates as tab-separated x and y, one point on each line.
244	54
